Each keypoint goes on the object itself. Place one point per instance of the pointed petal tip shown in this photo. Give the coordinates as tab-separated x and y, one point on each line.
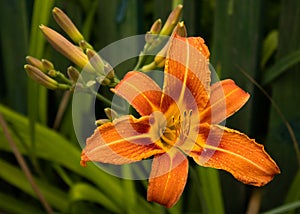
167	179
237	154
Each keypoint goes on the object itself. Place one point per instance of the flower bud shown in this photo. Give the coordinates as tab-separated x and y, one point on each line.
103	80
155	29
35	62
110	113
66	48
73	73
101	122
67	25
160	57
111	73
172	21
52	73
95	61
181	29
40	77
47	64
85	45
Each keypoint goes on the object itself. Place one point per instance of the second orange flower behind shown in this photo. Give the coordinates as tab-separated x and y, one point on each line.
181	119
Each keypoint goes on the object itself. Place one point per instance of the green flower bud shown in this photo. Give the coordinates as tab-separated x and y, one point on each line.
95	61
67	25
155	29
66	48
110	113
73	74
47	64
35	62
40	77
172	21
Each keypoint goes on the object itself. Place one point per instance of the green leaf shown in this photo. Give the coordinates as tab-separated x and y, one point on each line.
53	147
14	39
284	208
211	190
281	66
10	204
270	44
86	192
37	95
294	193
16	177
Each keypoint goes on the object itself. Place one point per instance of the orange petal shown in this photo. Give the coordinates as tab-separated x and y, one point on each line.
187	71
226	98
230	150
140	91
123	141
167	178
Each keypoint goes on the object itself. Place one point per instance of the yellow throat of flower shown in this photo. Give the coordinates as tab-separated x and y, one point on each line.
172	127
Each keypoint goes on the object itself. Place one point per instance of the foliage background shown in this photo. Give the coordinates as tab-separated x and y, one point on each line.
258	37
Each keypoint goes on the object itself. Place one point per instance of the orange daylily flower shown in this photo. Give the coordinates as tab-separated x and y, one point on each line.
180	120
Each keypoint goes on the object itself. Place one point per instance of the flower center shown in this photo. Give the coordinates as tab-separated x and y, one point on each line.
177	128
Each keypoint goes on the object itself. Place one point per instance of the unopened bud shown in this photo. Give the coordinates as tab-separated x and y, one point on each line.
95	61
155	29
67	25
73	73
52	73
111	74
66	48
172	21
110	113
40	77
47	64
156	26
85	45
159	59
181	29
103	80
101	122
35	62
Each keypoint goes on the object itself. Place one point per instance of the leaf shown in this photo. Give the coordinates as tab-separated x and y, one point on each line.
14	39
284	208
211	190
294	193
86	192
10	204
270	44
280	67
16	177
53	147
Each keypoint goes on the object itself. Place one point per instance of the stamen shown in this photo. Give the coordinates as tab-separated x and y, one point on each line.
186	124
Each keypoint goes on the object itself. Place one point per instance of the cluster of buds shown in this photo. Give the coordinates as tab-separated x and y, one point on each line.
157	38
44	73
79	51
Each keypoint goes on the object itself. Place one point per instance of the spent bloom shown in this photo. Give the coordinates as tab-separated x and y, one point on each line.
181	119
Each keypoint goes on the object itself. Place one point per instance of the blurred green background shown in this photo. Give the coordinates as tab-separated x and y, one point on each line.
256	43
